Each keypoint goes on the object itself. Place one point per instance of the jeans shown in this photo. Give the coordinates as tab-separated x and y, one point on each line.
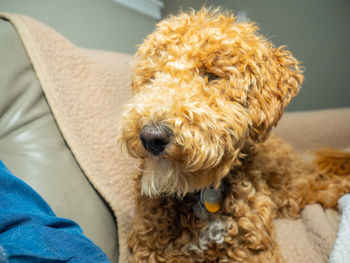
30	232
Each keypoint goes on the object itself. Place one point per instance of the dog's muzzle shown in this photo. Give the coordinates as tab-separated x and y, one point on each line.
155	138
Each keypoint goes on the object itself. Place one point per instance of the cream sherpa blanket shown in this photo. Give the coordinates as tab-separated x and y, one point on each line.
86	90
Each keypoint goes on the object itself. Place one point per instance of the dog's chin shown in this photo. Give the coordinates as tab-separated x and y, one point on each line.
163	178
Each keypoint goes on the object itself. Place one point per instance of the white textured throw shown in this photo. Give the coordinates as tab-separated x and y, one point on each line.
341	251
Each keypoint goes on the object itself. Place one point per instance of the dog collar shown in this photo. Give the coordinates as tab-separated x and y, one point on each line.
209	201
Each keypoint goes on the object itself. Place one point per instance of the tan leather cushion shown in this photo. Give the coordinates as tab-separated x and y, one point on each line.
32	147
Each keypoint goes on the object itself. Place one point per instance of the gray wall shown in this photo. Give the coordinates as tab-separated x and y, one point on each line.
99	24
316	31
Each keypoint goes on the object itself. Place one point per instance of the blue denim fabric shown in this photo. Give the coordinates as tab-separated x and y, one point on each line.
31	233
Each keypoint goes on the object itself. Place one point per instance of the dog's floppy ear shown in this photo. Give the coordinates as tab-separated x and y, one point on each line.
272	86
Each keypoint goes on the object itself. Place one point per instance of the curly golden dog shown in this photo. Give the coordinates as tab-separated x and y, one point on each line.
207	92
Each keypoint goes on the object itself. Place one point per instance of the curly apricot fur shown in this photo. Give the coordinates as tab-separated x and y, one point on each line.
219	87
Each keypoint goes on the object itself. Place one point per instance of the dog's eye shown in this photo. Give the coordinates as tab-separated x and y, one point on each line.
211	76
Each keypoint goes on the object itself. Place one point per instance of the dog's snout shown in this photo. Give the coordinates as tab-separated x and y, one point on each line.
155	138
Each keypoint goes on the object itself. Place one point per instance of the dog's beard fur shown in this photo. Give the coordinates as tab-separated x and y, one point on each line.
161	177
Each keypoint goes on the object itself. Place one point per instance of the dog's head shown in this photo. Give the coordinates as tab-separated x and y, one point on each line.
203	86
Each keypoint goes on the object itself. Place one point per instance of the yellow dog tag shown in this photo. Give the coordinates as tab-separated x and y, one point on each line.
211	198
212	207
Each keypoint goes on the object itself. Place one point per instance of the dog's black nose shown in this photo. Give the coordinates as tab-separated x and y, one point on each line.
155	138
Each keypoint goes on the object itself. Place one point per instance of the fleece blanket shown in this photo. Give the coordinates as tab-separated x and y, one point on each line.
86	90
